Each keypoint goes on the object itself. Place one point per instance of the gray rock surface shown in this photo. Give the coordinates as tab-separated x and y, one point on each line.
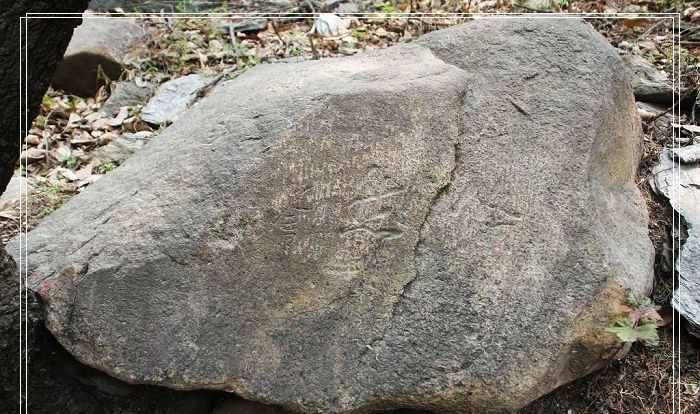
236	405
96	50
428	226
172	99
649	84
17	188
118	150
127	93
679	181
243	26
688	155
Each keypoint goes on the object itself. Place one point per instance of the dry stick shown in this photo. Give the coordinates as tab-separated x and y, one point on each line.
311	6
313	47
279	36
166	19
202	91
649	30
232	35
682	98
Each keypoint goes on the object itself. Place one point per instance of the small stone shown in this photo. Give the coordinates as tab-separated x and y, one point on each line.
172	98
687	155
633	8
128	93
17	189
244	26
94	54
649	84
118	149
648	111
537	5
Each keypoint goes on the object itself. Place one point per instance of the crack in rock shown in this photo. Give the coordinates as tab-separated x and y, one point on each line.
441	191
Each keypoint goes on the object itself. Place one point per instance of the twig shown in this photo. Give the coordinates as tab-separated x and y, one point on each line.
651	29
677	104
232	35
279	36
202	91
313	47
166	19
311	6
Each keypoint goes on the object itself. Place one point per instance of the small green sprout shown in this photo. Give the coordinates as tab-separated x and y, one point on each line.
641	323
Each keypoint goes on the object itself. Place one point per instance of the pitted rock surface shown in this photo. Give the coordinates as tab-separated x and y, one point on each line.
447	225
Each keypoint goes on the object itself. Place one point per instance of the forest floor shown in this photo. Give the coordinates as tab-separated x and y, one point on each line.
61	161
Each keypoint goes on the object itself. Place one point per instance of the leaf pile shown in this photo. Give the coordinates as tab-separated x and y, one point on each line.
63	141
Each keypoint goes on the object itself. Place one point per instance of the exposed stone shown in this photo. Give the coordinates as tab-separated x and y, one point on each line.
95	52
127	93
536	5
172	99
688	155
57	383
244	26
679	181
429	226
16	190
649	84
118	150
649	111
235	405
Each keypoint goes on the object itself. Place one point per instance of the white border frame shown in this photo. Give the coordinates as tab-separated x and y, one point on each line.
25	124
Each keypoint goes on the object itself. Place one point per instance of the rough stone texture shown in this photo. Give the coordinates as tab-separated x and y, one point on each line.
688	155
448	225
119	149
649	84
17	188
57	383
127	93
679	181
9	333
99	42
172	99
240	406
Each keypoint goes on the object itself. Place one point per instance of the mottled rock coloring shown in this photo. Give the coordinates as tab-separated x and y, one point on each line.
447	225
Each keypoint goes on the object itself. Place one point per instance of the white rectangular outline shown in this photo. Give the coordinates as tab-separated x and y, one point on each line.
675	114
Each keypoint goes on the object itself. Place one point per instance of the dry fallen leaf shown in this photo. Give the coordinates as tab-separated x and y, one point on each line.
33	154
121	116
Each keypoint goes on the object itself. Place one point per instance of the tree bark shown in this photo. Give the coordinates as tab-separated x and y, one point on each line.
46	41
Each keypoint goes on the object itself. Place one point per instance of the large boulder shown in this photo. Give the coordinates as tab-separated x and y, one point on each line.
95	53
448	225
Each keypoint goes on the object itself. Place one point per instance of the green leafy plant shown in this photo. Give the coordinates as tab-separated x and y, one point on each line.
50	189
184	6
640	324
105	168
70	162
387	8
359	34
